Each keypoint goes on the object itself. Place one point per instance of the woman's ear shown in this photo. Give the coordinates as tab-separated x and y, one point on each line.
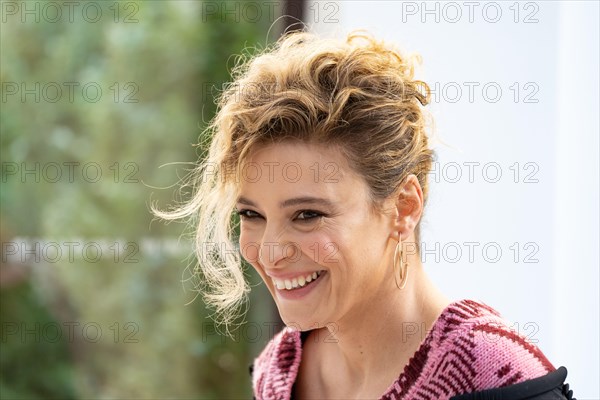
408	206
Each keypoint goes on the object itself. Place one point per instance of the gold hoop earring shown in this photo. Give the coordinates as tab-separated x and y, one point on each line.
403	268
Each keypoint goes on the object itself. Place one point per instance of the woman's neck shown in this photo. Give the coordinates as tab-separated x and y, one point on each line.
368	349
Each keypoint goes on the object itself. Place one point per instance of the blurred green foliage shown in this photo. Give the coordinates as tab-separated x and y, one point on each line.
96	158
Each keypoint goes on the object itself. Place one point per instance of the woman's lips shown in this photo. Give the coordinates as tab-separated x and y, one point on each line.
296	282
301	291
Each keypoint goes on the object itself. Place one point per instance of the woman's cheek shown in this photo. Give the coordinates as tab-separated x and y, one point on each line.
321	249
249	248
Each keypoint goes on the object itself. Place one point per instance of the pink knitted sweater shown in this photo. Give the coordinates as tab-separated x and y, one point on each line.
469	347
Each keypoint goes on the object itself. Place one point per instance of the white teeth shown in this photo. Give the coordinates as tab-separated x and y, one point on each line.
297	282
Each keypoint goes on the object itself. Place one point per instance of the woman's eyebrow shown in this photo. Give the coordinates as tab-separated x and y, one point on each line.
293	201
306	200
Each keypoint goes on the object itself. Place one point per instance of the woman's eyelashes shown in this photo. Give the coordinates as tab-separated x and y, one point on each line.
244	214
302	215
309	215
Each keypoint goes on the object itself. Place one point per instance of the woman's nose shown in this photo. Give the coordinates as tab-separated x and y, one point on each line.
274	247
267	254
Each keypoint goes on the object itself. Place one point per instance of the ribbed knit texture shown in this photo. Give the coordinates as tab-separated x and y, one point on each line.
469	347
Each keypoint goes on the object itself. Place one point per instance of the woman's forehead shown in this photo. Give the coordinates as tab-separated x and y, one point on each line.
295	163
279	172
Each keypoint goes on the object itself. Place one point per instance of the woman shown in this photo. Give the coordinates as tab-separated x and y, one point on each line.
320	145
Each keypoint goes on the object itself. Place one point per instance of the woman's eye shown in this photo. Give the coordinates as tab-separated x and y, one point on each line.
249	214
304	215
308	215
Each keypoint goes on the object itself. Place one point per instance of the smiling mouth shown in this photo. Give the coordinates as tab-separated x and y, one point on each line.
296	283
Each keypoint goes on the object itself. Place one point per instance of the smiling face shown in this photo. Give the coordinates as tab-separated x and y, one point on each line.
304	215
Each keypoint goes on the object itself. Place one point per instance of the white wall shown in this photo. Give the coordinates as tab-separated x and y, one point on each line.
547	204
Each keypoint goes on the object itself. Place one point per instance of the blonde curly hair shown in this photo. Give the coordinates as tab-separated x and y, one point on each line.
357	94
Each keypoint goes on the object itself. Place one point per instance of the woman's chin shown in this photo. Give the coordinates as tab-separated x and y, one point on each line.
300	323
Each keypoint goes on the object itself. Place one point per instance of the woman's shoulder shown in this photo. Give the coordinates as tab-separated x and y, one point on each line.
483	349
274	370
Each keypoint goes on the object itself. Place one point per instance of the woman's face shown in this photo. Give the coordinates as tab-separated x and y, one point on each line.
307	216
